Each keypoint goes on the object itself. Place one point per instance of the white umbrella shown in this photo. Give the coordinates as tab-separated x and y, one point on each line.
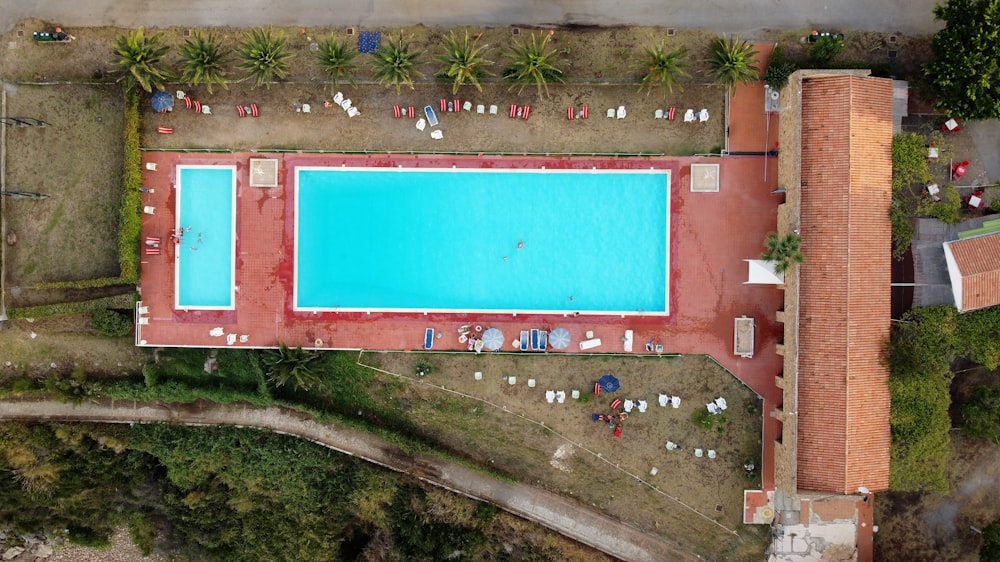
559	338
493	339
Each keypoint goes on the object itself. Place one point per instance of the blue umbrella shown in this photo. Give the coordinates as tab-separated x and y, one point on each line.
162	101
609	383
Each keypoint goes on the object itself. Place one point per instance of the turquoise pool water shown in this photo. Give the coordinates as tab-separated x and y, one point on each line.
206	255
386	239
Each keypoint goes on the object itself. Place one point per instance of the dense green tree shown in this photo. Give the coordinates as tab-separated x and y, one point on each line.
336	58
140	60
395	64
733	61
981	413
465	62
990	549
825	49
783	252
110	322
531	63
663	67
265	55
202	61
964	74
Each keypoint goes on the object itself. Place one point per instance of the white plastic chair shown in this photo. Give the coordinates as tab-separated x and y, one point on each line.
181	95
658	114
698	453
550	396
206	110
338	98
306	108
149	210
467	106
611	113
144	321
561	396
621	111
481	109
421	124
352	111
346	104
689	116
151	166
493	110
143	310
436	134
703	115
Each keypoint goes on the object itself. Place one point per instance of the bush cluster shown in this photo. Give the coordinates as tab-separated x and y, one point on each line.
130	218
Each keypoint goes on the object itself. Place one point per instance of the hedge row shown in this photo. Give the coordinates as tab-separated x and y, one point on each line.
127	300
85	283
130	220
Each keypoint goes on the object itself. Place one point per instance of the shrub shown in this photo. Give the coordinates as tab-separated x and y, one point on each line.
990	549
130	217
110	322
778	69
825	49
423	368
982	414
702	418
59	309
909	162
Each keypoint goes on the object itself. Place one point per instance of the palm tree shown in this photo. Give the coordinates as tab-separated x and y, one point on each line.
531	64
292	365
733	62
139	60
465	62
394	64
783	252
337	59
264	55
663	68
202	60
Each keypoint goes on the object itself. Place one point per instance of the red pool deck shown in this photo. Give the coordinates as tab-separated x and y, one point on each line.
710	236
750	127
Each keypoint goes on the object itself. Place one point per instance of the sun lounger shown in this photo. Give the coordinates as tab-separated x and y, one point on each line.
346	104
253	109
513	111
628	405
590	344
611	113
493	110
164	130
196	105
143	321
338	98
525	112
615	403
671	113
437	134
230	339
481	109
206	110
550	396
721	403
627	340
149	210
534	339
675	401
431	116
421	124
583	110
543	340
658	114
570	113
689	116
216	332
703	115
241	111
524	340
151	166
641	406
428	338
152	251
353	112
467	106
306	108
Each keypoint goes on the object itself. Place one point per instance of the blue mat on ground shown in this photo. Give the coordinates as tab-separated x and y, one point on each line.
369	41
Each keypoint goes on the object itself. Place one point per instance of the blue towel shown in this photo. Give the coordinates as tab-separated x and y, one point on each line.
524	340
369	41
429	338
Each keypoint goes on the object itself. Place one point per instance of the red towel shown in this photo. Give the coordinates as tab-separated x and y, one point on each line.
527	110
670	114
569	113
242	112
618	432
412	112
615	403
444	105
584	112
253	109
513	110
164	130
395	111
187	103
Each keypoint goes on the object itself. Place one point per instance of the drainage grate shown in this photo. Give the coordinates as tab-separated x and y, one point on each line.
670	32
892	38
20	33
350	31
187	33
516	31
893	53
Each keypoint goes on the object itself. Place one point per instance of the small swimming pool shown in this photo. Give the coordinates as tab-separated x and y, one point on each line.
556	241
206	255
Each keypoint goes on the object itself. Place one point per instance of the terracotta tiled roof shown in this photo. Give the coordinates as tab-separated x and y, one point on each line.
978	263
844	306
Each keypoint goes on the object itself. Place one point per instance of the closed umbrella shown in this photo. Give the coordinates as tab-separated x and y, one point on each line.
609	383
162	101
559	338
493	339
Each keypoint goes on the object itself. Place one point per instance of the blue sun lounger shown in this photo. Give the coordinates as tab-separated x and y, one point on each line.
534	339
543	340
429	338
432	118
524	340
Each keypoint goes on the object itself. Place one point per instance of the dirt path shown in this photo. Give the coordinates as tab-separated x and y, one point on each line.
557	513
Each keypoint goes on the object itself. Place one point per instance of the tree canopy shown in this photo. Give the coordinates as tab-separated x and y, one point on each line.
965	72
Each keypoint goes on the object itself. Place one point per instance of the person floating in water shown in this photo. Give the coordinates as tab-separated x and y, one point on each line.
505	258
520	244
571	299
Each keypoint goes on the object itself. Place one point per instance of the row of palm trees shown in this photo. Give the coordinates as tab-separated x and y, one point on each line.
264	58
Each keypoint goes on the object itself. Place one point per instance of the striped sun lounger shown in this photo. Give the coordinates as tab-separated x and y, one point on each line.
524	340
534	339
543	340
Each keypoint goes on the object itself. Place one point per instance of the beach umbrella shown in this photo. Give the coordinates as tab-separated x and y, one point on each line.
162	101
609	383
493	339
559	338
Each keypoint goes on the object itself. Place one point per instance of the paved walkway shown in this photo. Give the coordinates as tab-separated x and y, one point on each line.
562	515
746	16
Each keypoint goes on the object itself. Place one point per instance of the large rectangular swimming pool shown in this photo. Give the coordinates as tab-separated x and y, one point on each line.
204	276
557	241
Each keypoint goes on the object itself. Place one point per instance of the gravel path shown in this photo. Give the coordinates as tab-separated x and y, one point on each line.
560	514
122	550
